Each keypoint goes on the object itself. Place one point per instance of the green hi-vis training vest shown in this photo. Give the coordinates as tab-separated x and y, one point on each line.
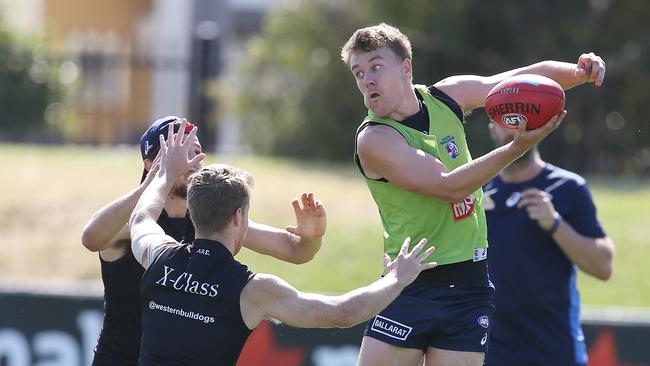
456	229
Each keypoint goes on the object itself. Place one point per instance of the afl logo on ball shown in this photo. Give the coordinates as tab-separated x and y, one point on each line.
484	321
450	146
513	119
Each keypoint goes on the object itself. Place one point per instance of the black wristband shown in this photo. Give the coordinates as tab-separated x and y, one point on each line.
556	224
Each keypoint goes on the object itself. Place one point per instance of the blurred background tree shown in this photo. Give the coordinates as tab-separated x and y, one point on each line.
299	100
30	92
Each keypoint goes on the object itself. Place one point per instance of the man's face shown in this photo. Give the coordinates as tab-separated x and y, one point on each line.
382	79
179	189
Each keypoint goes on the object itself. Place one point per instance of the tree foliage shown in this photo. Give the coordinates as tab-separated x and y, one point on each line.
299	99
28	85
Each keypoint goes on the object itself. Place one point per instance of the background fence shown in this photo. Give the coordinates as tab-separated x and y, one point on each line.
39	329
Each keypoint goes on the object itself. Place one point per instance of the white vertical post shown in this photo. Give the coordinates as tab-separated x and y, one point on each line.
171	57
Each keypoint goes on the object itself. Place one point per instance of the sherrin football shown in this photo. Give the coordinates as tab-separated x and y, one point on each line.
532	98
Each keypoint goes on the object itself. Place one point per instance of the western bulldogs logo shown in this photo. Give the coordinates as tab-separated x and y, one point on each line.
450	145
484	321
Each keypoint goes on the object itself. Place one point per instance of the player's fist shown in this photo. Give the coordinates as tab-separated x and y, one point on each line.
590	68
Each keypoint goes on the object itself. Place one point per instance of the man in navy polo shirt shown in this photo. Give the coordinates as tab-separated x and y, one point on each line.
541	224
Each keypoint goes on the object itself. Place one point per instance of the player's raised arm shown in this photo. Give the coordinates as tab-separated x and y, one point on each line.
109	224
267	296
295	244
469	91
147	236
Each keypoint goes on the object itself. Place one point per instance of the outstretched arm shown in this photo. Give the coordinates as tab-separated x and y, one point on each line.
295	244
267	296
470	91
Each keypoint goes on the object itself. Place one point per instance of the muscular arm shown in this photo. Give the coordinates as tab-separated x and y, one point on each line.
469	91
108	224
276	299
385	153
267	296
296	244
281	244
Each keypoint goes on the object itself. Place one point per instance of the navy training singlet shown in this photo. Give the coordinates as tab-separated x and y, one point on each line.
191	306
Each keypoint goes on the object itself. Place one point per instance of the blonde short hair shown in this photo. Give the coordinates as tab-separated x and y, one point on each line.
374	37
214	194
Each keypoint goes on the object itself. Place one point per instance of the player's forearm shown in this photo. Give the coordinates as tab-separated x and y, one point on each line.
151	202
564	73
593	255
281	244
304	249
106	223
362	304
459	183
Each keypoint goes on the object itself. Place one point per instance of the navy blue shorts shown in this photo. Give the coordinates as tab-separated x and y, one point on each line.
449	317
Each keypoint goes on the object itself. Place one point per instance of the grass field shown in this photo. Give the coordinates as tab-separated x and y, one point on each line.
48	193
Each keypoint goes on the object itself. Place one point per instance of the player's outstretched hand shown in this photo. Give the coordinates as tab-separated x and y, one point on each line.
311	221
174	152
526	139
407	265
590	68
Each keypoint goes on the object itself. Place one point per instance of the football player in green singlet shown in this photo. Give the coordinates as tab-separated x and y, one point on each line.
412	152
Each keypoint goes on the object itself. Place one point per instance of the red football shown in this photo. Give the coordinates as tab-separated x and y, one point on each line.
525	97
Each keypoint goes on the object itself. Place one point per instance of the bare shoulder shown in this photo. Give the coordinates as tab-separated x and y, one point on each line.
452	86
263	283
457	80
469	91
377	138
257	296
450	80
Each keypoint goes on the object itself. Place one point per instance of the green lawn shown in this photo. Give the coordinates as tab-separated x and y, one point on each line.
50	192
623	210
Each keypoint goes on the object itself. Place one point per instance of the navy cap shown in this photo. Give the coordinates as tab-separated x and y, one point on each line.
150	140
